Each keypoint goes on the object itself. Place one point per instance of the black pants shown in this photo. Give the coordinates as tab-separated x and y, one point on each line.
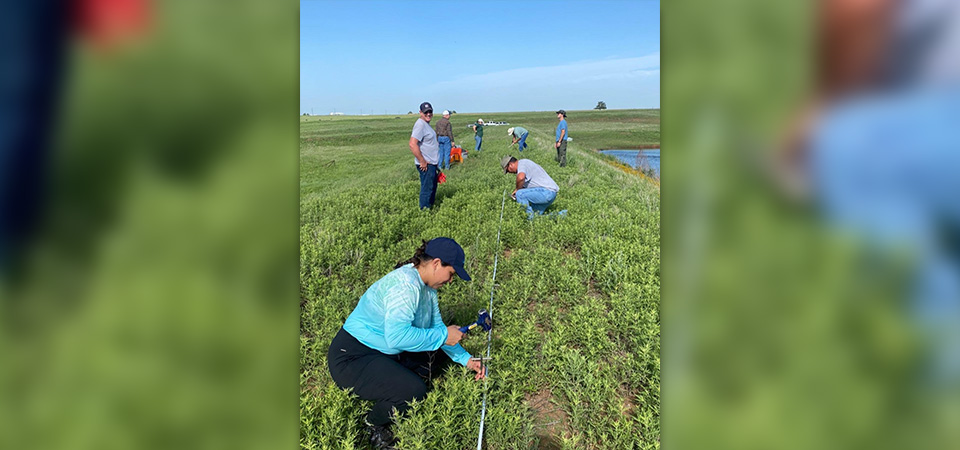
390	381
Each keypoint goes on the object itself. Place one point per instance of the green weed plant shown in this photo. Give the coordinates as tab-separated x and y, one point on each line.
576	340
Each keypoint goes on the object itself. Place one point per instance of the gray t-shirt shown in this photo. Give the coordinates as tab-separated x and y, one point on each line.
535	176
428	142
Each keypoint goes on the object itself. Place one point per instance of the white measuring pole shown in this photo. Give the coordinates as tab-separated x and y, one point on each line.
496	256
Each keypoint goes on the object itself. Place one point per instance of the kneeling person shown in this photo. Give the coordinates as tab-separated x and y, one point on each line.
388	344
535	189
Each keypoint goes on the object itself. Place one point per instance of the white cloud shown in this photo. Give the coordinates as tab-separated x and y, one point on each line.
566	74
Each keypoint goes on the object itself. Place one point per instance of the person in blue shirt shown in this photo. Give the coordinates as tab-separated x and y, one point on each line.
562	133
388	344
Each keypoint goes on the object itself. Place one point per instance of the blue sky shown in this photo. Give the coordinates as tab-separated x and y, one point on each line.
379	57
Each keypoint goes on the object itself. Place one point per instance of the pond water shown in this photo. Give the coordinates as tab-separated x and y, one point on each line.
636	158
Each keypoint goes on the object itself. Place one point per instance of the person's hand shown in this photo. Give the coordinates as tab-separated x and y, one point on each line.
513	194
423	166
557	145
453	335
480	369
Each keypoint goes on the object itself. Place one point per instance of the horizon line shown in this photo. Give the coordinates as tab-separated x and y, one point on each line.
480	112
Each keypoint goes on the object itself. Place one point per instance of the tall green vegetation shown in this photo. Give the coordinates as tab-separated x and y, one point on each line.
576	341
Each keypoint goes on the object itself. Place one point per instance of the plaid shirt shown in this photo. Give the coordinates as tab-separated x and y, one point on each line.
444	128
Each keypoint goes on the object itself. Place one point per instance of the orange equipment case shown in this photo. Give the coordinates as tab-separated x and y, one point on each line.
456	154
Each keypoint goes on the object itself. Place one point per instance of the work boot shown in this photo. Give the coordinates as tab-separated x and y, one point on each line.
380	436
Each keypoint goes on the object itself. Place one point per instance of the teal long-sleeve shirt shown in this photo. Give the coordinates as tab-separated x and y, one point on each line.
399	313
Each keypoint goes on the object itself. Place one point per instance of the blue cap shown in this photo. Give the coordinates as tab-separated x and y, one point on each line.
450	252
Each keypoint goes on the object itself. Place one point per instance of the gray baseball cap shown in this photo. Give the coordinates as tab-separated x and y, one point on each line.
505	162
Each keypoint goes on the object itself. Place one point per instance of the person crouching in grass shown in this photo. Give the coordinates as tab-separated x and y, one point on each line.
388	344
534	188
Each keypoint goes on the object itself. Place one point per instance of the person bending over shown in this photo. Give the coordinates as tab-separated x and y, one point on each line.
518	134
534	189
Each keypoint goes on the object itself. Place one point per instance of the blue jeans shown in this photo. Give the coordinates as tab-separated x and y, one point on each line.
479	141
536	200
523	142
428	185
444	142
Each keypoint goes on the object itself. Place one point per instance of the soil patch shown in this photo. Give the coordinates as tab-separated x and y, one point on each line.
628	395
550	421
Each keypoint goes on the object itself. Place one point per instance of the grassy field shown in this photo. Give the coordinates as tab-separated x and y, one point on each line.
576	342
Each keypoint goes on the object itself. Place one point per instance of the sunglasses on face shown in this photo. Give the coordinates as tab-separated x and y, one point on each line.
428	113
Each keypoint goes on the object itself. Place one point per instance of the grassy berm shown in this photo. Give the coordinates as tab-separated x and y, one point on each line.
576	341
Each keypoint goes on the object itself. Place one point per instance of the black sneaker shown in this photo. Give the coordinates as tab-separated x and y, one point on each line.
381	437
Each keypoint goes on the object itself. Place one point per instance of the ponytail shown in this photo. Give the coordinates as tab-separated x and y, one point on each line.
420	255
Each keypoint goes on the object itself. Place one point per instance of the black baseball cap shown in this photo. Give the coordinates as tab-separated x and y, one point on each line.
449	251
426	106
562	112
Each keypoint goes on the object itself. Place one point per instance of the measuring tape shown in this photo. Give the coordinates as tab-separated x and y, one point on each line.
496	256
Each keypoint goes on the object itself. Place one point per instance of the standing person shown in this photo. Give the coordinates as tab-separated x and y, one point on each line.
426	151
389	342
561	144
478	133
445	139
535	189
519	134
